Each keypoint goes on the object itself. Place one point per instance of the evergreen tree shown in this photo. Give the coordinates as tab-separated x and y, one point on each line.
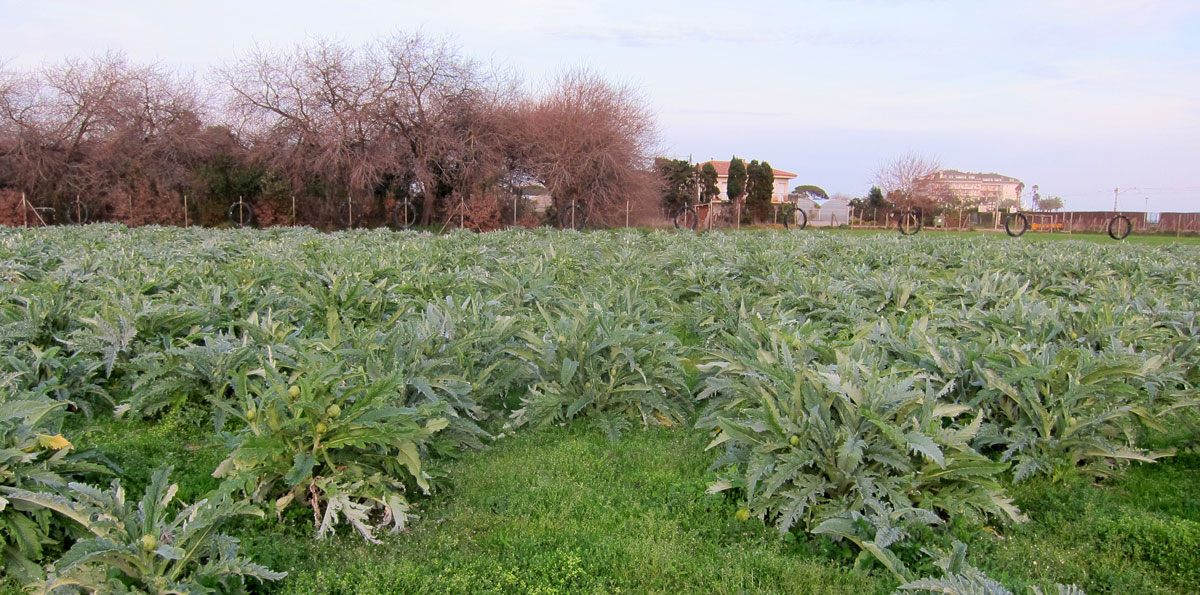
737	180
678	182
759	187
876	201
708	183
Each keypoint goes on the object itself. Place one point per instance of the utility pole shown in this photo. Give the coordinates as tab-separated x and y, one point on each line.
1117	195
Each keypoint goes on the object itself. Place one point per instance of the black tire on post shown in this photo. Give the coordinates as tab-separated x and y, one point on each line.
686	218
1119	227
909	223
240	214
405	214
797	219
1017	230
346	215
77	213
573	216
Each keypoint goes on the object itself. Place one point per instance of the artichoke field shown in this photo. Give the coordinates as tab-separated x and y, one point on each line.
866	389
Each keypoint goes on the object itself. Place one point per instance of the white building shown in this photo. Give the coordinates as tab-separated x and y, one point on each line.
987	191
778	195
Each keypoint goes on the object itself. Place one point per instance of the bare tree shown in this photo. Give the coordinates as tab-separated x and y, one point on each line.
310	115
428	114
588	141
97	128
404	115
906	180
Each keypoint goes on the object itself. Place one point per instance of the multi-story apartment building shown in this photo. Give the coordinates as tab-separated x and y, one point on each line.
987	191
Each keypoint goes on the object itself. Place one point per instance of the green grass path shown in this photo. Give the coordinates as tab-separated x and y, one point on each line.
568	511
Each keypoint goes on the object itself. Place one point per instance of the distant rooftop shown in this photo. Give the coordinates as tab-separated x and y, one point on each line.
722	168
964	175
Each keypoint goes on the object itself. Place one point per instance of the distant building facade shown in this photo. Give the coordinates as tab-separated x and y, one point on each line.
779	194
835	211
987	191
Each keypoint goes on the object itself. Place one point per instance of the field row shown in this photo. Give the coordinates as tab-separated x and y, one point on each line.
866	392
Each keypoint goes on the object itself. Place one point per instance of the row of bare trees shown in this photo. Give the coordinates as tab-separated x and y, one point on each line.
404	118
102	127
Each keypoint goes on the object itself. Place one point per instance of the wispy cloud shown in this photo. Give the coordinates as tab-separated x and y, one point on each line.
638	35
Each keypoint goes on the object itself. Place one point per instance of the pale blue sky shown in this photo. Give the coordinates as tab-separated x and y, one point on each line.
1077	96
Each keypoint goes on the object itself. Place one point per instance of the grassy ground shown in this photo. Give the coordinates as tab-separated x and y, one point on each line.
1140	534
565	510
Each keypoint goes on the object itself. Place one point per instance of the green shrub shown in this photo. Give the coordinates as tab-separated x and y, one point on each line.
1059	409
612	357
330	438
855	450
149	549
34	455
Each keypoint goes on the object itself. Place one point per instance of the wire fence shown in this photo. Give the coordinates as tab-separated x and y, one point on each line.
1064	221
18	210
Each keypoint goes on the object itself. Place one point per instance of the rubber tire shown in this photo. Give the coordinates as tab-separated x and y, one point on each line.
900	222
77	210
684	212
240	214
803	219
402	208
580	216
345	215
1112	224
1008	224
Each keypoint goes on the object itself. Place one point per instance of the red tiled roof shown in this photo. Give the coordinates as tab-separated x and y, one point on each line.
722	168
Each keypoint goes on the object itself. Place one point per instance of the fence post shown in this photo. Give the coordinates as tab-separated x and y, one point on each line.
627	212
24	210
185	217
293	210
